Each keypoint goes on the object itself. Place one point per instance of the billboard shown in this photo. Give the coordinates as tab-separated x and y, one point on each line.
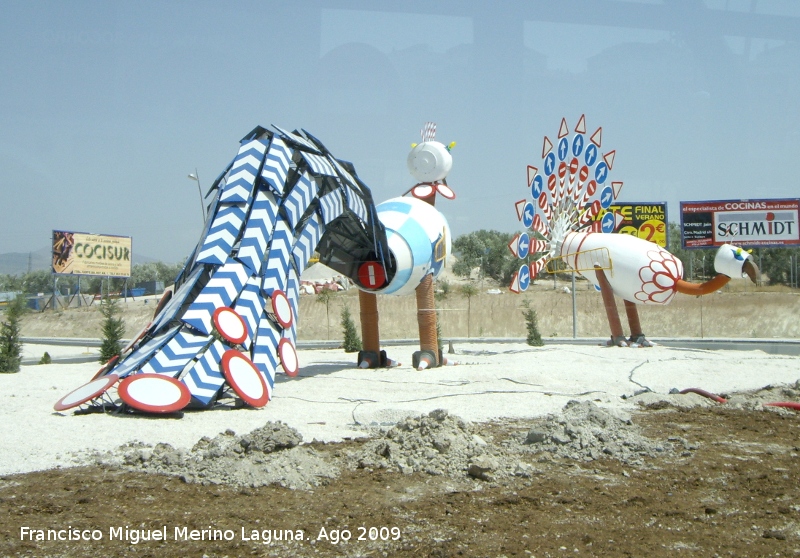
645	220
77	253
748	223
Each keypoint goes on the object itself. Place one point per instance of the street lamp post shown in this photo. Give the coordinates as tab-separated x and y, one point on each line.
196	177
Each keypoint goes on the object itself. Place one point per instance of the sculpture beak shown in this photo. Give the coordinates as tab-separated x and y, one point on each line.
751	269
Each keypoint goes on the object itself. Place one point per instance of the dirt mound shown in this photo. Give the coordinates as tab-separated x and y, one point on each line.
437	443
268	455
584	431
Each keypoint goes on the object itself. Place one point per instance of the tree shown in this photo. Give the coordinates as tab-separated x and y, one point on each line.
532	325
40	281
113	329
10	342
324	297
443	290
352	342
155	271
778	264
487	249
469	290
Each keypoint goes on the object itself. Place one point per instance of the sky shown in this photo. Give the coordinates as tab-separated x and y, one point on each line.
106	107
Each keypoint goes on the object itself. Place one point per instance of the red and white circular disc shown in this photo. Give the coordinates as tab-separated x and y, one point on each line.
422	191
154	393
86	392
371	275
230	325
446	191
245	379
288	355
282	309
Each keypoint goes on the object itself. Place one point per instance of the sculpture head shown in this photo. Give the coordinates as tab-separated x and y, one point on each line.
734	261
429	163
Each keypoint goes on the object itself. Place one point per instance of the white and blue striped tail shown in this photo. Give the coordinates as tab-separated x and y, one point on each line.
273	207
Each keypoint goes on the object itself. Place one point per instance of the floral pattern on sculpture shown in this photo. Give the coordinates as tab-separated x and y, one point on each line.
659	278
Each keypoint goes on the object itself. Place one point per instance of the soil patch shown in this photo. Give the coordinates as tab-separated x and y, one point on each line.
732	493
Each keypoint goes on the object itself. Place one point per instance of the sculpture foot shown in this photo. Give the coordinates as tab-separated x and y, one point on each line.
640	341
372	359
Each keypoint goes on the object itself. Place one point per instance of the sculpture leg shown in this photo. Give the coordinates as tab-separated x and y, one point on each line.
428	355
371	355
617	337
637	338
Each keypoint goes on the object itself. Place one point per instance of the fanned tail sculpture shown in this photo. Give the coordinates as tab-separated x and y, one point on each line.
567	228
229	324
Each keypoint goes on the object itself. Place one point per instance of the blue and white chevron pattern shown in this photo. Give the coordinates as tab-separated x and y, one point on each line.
318	164
242	176
143	353
205	378
221	290
278	259
298	139
299	199
222	235
277	164
263	227
257	231
265	351
250	306
356	204
175	355
344	174
307	242
331	205
176	301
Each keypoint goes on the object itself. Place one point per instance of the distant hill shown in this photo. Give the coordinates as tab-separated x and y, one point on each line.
16	263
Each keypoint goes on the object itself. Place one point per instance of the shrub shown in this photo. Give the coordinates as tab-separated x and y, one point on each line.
113	329
352	342
532	324
10	342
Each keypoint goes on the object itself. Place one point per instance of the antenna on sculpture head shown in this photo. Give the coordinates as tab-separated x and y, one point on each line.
429	163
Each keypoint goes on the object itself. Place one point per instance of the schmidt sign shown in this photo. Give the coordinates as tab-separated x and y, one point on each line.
743	222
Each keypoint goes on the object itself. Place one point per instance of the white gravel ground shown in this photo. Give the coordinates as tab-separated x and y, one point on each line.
331	399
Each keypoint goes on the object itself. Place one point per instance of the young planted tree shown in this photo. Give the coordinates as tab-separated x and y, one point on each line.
352	342
113	329
469	290
532	324
324	297
10	341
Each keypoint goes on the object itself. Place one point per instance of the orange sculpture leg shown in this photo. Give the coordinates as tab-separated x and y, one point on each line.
617	337
633	319
637	337
370	332
426	318
370	355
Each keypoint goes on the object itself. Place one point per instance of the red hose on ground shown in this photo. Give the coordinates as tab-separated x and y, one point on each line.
788	404
705	393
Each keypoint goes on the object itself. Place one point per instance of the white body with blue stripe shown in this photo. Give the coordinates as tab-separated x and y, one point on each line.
419	238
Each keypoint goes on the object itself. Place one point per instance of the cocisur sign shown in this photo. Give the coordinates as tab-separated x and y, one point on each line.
77	253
